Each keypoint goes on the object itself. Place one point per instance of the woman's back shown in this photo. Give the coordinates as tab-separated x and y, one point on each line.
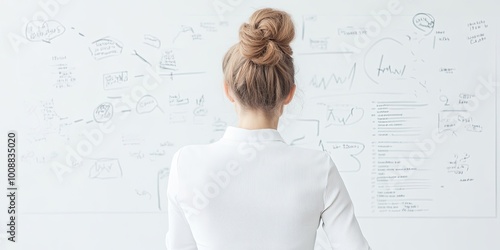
250	190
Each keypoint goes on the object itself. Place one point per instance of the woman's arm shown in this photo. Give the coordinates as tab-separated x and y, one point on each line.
179	235
339	221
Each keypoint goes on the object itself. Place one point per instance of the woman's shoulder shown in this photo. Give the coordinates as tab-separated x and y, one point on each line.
199	149
190	148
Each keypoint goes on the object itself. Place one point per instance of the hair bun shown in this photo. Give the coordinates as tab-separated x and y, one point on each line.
267	36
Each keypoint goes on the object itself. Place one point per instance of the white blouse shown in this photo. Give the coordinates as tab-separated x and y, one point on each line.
250	190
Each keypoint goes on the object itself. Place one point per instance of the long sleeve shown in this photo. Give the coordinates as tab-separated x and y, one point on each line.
179	235
339	221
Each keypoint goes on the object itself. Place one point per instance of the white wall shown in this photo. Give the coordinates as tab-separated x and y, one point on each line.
401	93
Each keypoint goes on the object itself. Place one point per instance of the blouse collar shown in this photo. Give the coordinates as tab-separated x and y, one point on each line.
251	135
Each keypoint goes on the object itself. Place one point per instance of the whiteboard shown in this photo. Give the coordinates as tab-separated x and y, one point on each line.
402	95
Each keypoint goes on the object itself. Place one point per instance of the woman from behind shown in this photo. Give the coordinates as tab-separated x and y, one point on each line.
250	190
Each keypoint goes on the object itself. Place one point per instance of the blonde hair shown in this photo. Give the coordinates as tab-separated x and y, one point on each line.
259	69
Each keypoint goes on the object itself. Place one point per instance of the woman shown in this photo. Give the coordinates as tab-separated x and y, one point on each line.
250	190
